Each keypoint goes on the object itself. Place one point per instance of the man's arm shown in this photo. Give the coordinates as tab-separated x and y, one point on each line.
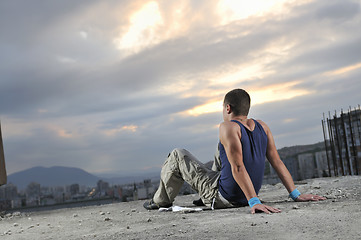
230	136
281	169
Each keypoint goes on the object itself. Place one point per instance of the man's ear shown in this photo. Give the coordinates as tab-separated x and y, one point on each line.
228	108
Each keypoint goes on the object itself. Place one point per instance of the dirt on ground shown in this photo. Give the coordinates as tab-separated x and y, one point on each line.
338	217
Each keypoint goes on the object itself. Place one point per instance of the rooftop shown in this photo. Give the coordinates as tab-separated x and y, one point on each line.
338	217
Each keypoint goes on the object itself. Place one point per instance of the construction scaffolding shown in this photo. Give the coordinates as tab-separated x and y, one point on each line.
342	136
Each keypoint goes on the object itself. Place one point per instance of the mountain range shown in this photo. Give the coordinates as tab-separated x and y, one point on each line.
53	176
62	176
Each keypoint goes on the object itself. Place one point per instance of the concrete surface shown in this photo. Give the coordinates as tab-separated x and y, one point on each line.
338	217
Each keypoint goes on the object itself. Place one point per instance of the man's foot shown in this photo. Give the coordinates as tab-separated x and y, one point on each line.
151	205
198	202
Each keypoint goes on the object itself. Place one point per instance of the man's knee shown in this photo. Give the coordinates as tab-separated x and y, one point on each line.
177	153
176	157
173	159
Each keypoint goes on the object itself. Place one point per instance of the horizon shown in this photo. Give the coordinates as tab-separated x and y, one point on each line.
137	174
109	86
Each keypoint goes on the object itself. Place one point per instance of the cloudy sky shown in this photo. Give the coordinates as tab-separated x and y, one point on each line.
112	86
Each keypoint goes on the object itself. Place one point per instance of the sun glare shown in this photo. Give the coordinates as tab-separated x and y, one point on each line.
271	93
276	92
253	71
232	10
211	107
141	32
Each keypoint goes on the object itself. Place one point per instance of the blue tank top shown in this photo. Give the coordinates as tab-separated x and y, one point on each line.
254	146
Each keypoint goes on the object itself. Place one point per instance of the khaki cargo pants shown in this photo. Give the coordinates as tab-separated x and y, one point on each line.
182	166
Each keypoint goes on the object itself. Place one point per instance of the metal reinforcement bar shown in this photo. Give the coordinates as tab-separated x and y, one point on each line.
343	141
353	147
358	121
332	144
326	145
339	146
348	162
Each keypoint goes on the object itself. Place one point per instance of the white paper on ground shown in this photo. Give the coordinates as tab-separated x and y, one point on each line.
180	209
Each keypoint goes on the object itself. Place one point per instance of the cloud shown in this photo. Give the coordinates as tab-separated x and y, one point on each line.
73	94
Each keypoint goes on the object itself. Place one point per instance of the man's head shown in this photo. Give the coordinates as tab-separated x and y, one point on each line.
239	102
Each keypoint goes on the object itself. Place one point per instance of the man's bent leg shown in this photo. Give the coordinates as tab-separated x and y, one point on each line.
182	166
171	181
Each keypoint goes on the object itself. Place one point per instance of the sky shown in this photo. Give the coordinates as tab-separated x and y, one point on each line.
113	86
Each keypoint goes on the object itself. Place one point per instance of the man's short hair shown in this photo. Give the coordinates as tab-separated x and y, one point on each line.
239	100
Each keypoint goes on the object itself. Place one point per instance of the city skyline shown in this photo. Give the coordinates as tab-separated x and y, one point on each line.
112	87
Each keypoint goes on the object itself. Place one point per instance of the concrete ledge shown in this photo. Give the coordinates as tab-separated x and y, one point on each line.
336	218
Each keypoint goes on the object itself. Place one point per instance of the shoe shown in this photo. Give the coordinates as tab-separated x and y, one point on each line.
198	202
151	205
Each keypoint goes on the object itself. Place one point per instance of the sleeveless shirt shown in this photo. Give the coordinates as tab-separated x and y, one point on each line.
254	146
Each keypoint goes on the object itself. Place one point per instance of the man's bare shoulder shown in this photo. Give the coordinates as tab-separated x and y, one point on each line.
228	132
261	122
264	125
228	128
228	125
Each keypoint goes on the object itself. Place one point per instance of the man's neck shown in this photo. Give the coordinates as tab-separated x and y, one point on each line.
239	118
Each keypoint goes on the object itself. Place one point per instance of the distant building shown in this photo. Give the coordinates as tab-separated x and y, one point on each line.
59	194
9	197
102	187
312	165
321	164
117	192
342	135
306	166
46	190
146	191
303	165
33	193
33	190
8	192
74	189
292	166
135	193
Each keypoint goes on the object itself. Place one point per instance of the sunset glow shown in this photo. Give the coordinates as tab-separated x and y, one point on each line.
128	128
276	92
142	30
232	10
119	80
267	94
344	70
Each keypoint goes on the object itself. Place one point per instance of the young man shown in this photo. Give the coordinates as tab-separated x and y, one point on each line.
244	145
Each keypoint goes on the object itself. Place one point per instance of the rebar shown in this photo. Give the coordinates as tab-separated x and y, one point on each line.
326	147
348	163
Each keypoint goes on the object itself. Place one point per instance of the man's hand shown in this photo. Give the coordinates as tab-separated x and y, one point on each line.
309	197
264	208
